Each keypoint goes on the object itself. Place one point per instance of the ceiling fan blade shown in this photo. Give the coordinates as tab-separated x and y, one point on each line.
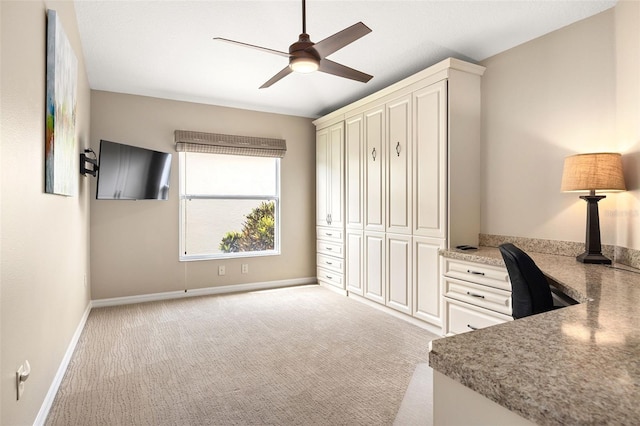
283	73
264	49
335	68
340	39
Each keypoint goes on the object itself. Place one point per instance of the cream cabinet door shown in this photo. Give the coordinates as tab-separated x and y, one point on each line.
336	176
398	154
430	160
374	131
374	260
427	289
399	272
354	154
322	179
330	176
355	262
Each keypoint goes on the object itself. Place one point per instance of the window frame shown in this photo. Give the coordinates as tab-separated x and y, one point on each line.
184	198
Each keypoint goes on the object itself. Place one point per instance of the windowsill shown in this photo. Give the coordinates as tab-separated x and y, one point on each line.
236	255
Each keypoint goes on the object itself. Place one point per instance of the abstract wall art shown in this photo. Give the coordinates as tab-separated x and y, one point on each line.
61	176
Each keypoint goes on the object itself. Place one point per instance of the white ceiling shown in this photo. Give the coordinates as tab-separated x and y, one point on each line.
165	48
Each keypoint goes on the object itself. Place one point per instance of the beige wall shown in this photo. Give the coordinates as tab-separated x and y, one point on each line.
549	98
134	244
44	248
627	18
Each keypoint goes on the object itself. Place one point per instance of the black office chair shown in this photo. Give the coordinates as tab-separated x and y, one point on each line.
530	291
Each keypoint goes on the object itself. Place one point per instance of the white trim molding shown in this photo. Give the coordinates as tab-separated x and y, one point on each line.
62	369
236	288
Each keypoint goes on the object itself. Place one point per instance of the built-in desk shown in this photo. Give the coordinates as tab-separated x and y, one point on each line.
575	365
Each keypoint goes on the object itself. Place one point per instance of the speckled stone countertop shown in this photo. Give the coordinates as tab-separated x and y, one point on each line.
575	365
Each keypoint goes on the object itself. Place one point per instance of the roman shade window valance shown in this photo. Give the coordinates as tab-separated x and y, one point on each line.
214	143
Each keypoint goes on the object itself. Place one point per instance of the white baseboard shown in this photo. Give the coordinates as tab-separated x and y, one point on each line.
127	300
333	288
422	324
62	369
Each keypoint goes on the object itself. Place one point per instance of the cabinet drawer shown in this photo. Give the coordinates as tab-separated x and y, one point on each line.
479	295
330	234
493	276
462	317
330	277
332	263
332	249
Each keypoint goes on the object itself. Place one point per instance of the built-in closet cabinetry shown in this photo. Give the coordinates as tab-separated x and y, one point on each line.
411	185
330	205
330	176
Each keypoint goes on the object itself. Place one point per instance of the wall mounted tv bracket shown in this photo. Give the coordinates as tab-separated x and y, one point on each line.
88	165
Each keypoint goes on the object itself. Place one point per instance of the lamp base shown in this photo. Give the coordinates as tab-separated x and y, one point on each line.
593	248
593	258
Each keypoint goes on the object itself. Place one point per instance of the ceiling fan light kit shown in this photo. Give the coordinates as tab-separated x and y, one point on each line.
306	56
304	65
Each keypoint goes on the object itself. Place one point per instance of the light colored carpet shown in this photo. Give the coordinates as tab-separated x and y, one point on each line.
301	355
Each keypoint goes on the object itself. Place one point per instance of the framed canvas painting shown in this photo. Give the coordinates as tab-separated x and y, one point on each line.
61	176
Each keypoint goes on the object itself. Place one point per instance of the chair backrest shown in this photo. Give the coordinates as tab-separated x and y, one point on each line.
530	292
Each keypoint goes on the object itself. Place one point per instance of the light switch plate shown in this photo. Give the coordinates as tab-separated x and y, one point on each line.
21	376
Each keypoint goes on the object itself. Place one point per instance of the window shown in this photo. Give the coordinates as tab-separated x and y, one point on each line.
229	206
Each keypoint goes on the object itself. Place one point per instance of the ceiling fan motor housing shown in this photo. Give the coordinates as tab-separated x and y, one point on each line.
304	58
303	48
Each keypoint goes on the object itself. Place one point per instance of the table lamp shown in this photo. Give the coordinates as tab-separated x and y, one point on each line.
593	172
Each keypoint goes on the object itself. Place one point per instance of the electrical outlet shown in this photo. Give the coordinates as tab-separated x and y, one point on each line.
245	268
221	270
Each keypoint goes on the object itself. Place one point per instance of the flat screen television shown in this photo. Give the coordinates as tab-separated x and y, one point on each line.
128	172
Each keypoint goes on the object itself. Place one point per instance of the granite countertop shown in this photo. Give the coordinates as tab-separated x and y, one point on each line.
575	365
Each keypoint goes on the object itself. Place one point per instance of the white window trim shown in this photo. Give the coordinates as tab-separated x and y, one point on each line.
181	207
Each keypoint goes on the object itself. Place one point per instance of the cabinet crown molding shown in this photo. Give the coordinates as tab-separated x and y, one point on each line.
443	67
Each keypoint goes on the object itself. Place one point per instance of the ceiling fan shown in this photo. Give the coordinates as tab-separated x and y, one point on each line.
306	56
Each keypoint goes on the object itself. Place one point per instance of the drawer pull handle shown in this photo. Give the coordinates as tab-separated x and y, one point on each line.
329	248
329	263
329	277
469	271
475	295
472	327
328	234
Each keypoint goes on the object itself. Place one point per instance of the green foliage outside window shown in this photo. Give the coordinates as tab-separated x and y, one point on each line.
257	232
